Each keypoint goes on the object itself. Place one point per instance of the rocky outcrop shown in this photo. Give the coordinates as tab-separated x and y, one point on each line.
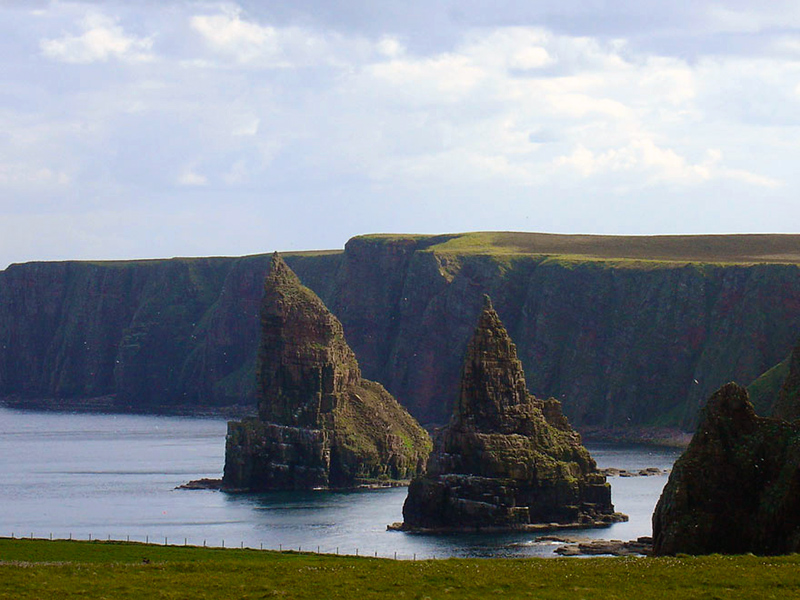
320	423
736	488
506	460
621	341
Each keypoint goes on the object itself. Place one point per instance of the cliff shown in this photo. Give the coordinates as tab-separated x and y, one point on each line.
141	335
736	488
506	460
627	331
320	423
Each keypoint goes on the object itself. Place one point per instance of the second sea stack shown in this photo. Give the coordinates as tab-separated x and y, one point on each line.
507	460
320	424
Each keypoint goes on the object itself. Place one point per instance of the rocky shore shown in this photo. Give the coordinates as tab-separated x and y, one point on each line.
642	546
648	472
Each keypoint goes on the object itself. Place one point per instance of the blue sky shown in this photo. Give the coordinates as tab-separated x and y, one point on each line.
180	128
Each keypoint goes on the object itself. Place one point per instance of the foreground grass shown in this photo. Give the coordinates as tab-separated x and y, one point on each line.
61	569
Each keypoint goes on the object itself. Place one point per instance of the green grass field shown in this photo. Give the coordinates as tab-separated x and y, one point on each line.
62	569
706	249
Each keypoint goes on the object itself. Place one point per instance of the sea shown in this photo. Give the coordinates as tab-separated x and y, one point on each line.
114	477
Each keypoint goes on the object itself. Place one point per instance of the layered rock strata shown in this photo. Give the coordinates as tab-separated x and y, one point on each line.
634	337
507	460
736	488
320	424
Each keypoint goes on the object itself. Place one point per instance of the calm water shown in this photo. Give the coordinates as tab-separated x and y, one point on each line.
114	476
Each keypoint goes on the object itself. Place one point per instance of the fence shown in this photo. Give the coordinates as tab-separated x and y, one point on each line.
156	541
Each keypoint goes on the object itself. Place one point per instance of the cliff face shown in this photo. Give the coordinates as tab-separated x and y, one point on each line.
620	342
736	488
141	334
320	423
506	460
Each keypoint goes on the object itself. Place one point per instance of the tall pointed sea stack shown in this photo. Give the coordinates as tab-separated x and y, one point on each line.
506	460
320	424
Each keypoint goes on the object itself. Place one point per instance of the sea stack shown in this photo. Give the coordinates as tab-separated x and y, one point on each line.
507	460
736	488
319	424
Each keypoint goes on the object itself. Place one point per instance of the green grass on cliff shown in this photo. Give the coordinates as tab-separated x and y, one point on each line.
628	250
87	570
764	391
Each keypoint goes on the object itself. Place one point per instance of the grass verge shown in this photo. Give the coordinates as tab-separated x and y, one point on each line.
62	569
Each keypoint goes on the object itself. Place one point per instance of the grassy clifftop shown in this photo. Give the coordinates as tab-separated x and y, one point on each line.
716	249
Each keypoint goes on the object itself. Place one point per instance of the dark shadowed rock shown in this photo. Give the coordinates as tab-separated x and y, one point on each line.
506	460
736	488
320	423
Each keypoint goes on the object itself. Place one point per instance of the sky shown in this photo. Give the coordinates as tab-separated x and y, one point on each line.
181	128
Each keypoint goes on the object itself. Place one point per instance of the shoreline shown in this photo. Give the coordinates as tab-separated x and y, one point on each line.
109	405
665	437
608	521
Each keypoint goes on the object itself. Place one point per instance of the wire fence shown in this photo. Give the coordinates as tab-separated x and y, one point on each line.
206	543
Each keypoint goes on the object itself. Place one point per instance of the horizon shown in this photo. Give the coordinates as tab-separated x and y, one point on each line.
443	234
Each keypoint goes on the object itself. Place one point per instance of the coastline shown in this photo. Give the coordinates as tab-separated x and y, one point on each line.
636	436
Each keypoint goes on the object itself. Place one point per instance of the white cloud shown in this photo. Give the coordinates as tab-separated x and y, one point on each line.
659	165
229	33
447	77
189	177
102	39
266	46
390	46
27	175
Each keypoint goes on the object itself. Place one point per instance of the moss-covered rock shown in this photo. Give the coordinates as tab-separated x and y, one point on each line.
506	460
320	423
736	488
